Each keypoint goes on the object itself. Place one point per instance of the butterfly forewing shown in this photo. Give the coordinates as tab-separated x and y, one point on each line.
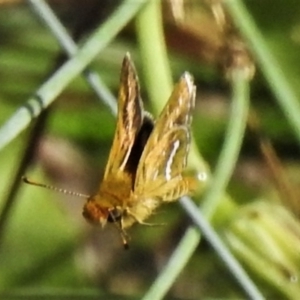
165	154
178	109
114	192
129	120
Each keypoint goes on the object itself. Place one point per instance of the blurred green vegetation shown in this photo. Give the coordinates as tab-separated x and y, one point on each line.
48	250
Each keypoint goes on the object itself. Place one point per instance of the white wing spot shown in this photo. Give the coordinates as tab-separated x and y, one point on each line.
170	160
202	176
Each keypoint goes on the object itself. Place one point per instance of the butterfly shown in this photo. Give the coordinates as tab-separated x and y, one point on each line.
147	158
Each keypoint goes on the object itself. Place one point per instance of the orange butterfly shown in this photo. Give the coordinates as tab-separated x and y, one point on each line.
147	159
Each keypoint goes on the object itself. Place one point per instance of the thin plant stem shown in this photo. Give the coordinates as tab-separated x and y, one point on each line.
46	94
233	141
191	239
277	80
156	58
156	67
48	17
31	142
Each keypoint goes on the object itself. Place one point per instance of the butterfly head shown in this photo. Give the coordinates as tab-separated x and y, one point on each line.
95	213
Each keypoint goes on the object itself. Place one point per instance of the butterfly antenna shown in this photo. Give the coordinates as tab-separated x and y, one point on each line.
53	188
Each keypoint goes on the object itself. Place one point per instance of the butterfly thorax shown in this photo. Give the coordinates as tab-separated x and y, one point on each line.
109	204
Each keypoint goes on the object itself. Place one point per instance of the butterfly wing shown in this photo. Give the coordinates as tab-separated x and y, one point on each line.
177	111
165	154
162	170
129	120
163	167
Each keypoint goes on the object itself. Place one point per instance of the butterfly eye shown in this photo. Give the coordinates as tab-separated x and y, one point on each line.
115	214
94	213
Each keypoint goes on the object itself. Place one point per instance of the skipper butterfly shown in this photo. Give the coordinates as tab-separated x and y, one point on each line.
147	158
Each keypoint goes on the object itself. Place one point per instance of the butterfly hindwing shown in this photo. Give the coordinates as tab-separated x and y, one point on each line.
163	165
